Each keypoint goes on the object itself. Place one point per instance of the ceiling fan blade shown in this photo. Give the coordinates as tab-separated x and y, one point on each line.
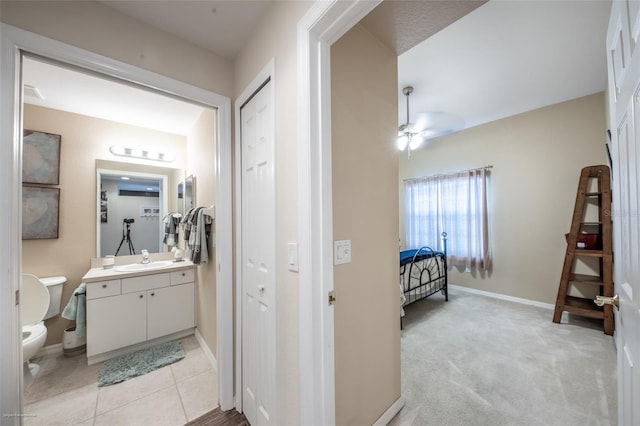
434	124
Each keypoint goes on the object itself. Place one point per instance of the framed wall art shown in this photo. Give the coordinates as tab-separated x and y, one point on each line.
41	158
103	206
40	212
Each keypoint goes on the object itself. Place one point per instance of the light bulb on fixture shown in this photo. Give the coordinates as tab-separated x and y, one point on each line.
416	141
141	153
403	140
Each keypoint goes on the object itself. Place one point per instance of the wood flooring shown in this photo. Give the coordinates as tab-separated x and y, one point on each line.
217	417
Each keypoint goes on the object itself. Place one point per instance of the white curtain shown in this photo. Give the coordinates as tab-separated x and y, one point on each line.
455	204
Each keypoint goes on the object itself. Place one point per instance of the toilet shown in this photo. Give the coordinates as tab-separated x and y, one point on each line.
40	299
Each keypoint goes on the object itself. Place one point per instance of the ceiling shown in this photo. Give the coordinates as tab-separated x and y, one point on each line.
481	61
508	57
77	92
221	26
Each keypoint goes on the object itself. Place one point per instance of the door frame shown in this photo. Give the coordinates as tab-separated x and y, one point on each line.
318	29
14	40
268	73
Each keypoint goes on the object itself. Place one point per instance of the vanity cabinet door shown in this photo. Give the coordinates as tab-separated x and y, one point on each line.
115	322
170	309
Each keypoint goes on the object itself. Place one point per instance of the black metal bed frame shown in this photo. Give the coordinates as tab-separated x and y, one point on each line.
426	274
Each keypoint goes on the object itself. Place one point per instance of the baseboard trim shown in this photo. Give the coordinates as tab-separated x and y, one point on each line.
207	351
391	412
504	297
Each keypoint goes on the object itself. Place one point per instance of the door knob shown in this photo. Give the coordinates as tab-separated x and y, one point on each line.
261	288
603	300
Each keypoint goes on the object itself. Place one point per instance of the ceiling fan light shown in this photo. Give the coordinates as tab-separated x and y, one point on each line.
403	141
415	142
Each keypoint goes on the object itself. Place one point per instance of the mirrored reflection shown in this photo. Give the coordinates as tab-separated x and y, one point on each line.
133	199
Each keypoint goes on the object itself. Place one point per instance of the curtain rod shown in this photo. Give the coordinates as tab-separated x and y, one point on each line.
449	173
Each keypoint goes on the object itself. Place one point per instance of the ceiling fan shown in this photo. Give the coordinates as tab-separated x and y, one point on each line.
429	125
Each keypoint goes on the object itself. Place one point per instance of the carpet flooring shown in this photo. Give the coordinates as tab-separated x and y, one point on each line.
477	360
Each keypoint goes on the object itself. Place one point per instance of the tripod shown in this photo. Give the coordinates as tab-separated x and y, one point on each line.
126	236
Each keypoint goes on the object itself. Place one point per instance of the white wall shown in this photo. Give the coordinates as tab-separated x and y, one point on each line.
537	158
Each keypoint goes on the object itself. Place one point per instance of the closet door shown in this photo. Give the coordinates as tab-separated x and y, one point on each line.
258	258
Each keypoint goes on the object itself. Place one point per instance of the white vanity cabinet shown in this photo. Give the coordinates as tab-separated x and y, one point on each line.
128	311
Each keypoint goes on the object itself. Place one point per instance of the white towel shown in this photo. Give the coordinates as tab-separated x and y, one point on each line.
76	309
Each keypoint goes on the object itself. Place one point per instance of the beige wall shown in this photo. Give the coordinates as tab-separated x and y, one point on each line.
95	27
201	154
84	140
365	171
275	37
537	158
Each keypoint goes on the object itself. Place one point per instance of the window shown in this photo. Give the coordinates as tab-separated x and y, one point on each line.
456	204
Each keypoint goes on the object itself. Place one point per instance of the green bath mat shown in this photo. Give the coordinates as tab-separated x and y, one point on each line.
140	362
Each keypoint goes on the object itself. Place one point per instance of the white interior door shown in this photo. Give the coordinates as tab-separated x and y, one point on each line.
258	258
623	62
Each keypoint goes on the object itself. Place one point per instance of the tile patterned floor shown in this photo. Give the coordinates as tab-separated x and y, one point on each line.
65	392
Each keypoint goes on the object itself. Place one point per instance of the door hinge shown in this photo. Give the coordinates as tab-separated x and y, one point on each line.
17	297
332	297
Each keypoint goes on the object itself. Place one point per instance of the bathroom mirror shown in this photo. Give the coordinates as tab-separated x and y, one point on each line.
189	193
132	200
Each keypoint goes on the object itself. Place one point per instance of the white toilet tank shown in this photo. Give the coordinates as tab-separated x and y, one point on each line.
54	285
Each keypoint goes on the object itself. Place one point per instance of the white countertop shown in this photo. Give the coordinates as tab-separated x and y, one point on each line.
102	274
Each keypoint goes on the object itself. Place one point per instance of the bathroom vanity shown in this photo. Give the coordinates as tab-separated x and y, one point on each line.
128	310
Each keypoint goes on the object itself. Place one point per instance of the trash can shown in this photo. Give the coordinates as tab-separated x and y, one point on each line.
72	344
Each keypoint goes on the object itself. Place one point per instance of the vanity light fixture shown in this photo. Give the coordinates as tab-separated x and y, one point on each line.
145	154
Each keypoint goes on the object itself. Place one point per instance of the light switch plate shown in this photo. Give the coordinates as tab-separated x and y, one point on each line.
292	256
341	252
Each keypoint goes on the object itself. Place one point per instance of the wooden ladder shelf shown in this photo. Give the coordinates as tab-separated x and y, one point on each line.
594	244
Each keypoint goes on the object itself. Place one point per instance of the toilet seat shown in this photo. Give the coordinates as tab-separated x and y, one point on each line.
34	300
34	332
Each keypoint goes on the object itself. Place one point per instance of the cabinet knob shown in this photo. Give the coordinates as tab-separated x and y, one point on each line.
141	296
183	274
104	286
153	294
261	288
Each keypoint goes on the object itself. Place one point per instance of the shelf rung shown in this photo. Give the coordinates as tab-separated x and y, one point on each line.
583	307
587	279
590	253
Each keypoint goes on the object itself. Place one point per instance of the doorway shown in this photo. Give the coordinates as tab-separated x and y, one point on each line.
15	43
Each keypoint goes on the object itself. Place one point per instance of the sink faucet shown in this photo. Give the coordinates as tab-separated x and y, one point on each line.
145	256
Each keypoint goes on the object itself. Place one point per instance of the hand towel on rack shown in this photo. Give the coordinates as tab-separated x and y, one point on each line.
171	222
190	230
198	250
187	221
76	309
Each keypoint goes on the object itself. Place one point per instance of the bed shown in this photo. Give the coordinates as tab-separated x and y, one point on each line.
423	272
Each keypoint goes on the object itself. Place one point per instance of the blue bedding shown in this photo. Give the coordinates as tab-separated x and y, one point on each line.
406	256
